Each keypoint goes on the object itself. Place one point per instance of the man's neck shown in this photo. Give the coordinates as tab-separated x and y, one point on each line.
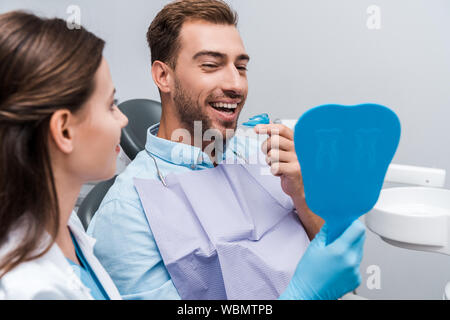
168	125
167	130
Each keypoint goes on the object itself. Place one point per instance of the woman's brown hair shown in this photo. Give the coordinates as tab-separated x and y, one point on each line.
44	67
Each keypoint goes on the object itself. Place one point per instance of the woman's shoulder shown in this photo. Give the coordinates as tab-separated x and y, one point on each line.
47	277
37	279
30	280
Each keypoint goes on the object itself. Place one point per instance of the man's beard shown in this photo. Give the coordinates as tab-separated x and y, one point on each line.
190	111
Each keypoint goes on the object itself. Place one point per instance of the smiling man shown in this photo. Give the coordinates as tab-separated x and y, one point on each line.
207	82
199	64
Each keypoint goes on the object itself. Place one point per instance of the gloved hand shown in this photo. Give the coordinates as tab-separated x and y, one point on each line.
327	272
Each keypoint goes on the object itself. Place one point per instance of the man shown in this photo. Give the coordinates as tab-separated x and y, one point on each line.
199	64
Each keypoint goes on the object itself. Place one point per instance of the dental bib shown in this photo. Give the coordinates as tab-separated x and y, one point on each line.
229	232
344	153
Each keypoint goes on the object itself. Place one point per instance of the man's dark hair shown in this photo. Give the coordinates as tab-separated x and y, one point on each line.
163	33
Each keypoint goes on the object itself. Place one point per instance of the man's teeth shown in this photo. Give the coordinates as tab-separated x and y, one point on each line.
224	105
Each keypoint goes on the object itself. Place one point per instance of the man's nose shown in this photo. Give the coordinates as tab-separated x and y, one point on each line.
234	81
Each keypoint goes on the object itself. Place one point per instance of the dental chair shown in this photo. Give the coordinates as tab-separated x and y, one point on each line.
92	201
141	114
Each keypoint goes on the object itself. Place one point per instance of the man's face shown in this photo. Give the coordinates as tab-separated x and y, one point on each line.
210	82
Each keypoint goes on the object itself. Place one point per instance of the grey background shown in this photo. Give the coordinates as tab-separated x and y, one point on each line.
307	53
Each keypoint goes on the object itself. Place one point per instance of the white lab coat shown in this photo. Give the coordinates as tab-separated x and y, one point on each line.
51	277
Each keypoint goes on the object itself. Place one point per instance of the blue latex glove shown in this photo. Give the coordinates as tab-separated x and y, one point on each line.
327	272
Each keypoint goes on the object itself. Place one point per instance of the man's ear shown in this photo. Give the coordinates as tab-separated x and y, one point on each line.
162	75
61	132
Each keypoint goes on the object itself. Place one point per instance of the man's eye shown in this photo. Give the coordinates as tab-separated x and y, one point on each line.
208	65
243	68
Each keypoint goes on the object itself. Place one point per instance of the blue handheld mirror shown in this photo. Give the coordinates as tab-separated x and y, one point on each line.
344	153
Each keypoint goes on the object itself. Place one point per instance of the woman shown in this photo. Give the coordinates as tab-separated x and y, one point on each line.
59	128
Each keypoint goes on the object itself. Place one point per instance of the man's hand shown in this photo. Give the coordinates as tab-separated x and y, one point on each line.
280	154
281	157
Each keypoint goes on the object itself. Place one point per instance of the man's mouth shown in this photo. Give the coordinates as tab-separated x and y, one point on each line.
228	108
